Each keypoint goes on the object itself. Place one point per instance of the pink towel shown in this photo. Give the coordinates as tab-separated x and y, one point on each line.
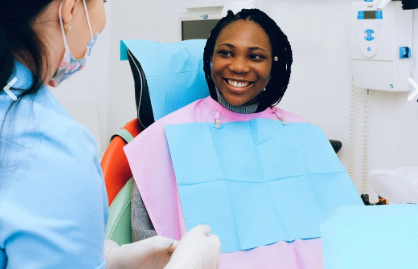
150	162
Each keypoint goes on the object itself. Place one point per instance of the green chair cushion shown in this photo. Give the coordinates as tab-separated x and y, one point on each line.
119	222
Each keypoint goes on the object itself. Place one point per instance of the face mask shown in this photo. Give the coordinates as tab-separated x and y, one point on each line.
69	65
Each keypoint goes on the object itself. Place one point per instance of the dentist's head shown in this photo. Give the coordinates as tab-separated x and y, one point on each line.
53	38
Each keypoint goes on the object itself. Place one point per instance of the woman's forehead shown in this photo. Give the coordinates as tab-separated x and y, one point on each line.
244	34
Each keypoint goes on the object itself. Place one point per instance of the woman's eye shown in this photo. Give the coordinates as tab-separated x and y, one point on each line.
225	53
257	57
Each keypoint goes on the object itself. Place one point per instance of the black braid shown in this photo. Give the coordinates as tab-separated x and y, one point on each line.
281	69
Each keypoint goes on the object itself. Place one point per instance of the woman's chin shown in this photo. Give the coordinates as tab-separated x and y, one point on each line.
239	100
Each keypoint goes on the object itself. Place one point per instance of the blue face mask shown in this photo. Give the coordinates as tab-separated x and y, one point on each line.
69	65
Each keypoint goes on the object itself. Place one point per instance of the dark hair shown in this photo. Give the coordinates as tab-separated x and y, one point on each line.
281	69
18	40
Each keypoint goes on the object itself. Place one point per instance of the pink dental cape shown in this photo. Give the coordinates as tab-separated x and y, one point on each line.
152	168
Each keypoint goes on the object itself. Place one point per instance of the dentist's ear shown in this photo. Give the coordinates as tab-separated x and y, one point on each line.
68	12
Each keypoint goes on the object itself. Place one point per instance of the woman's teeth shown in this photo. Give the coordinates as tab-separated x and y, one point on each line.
237	84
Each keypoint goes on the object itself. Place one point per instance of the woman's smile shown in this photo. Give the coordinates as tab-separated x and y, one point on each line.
238	85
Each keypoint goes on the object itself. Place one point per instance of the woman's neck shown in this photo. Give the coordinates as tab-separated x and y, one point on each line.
243	109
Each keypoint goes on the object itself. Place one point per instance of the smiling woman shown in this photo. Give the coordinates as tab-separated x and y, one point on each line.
247	64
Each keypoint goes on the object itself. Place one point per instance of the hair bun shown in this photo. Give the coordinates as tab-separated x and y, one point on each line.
230	13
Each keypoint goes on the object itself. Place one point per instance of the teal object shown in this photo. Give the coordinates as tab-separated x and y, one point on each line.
383	237
258	182
124	134
174	72
404	52
119	227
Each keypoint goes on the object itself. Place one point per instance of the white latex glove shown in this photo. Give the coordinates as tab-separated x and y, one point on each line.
151	253
197	250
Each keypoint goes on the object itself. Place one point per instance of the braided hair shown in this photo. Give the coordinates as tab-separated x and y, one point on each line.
281	69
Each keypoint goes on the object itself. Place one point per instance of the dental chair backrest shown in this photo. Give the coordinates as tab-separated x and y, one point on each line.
173	76
174	73
142	98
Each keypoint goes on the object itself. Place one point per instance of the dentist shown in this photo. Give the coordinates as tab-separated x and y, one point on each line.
53	203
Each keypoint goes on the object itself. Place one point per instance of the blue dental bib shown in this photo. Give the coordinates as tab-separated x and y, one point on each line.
258	182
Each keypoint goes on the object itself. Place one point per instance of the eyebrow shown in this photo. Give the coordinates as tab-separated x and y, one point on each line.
257	48
233	47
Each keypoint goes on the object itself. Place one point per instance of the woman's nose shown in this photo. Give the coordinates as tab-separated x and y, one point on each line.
239	65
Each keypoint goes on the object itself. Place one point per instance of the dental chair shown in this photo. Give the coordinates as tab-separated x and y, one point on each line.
116	171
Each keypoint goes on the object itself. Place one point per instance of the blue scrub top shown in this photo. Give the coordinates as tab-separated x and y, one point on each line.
53	202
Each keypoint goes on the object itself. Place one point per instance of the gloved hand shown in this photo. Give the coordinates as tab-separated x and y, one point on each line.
197	250
151	253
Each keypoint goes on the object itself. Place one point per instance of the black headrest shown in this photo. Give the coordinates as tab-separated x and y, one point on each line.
142	98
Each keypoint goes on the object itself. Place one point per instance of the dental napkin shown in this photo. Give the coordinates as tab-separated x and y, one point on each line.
258	182
384	237
174	72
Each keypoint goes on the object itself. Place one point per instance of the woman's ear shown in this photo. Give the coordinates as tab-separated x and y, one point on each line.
68	11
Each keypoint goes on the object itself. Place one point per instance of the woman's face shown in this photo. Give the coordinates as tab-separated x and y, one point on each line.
79	35
241	62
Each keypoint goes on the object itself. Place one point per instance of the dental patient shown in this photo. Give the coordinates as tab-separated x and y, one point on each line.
261	177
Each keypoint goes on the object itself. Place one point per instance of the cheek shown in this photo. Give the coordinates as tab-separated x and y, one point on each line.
216	70
99	18
104	19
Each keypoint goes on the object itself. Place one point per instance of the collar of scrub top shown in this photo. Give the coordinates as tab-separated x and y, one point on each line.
20	80
23	77
168	76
